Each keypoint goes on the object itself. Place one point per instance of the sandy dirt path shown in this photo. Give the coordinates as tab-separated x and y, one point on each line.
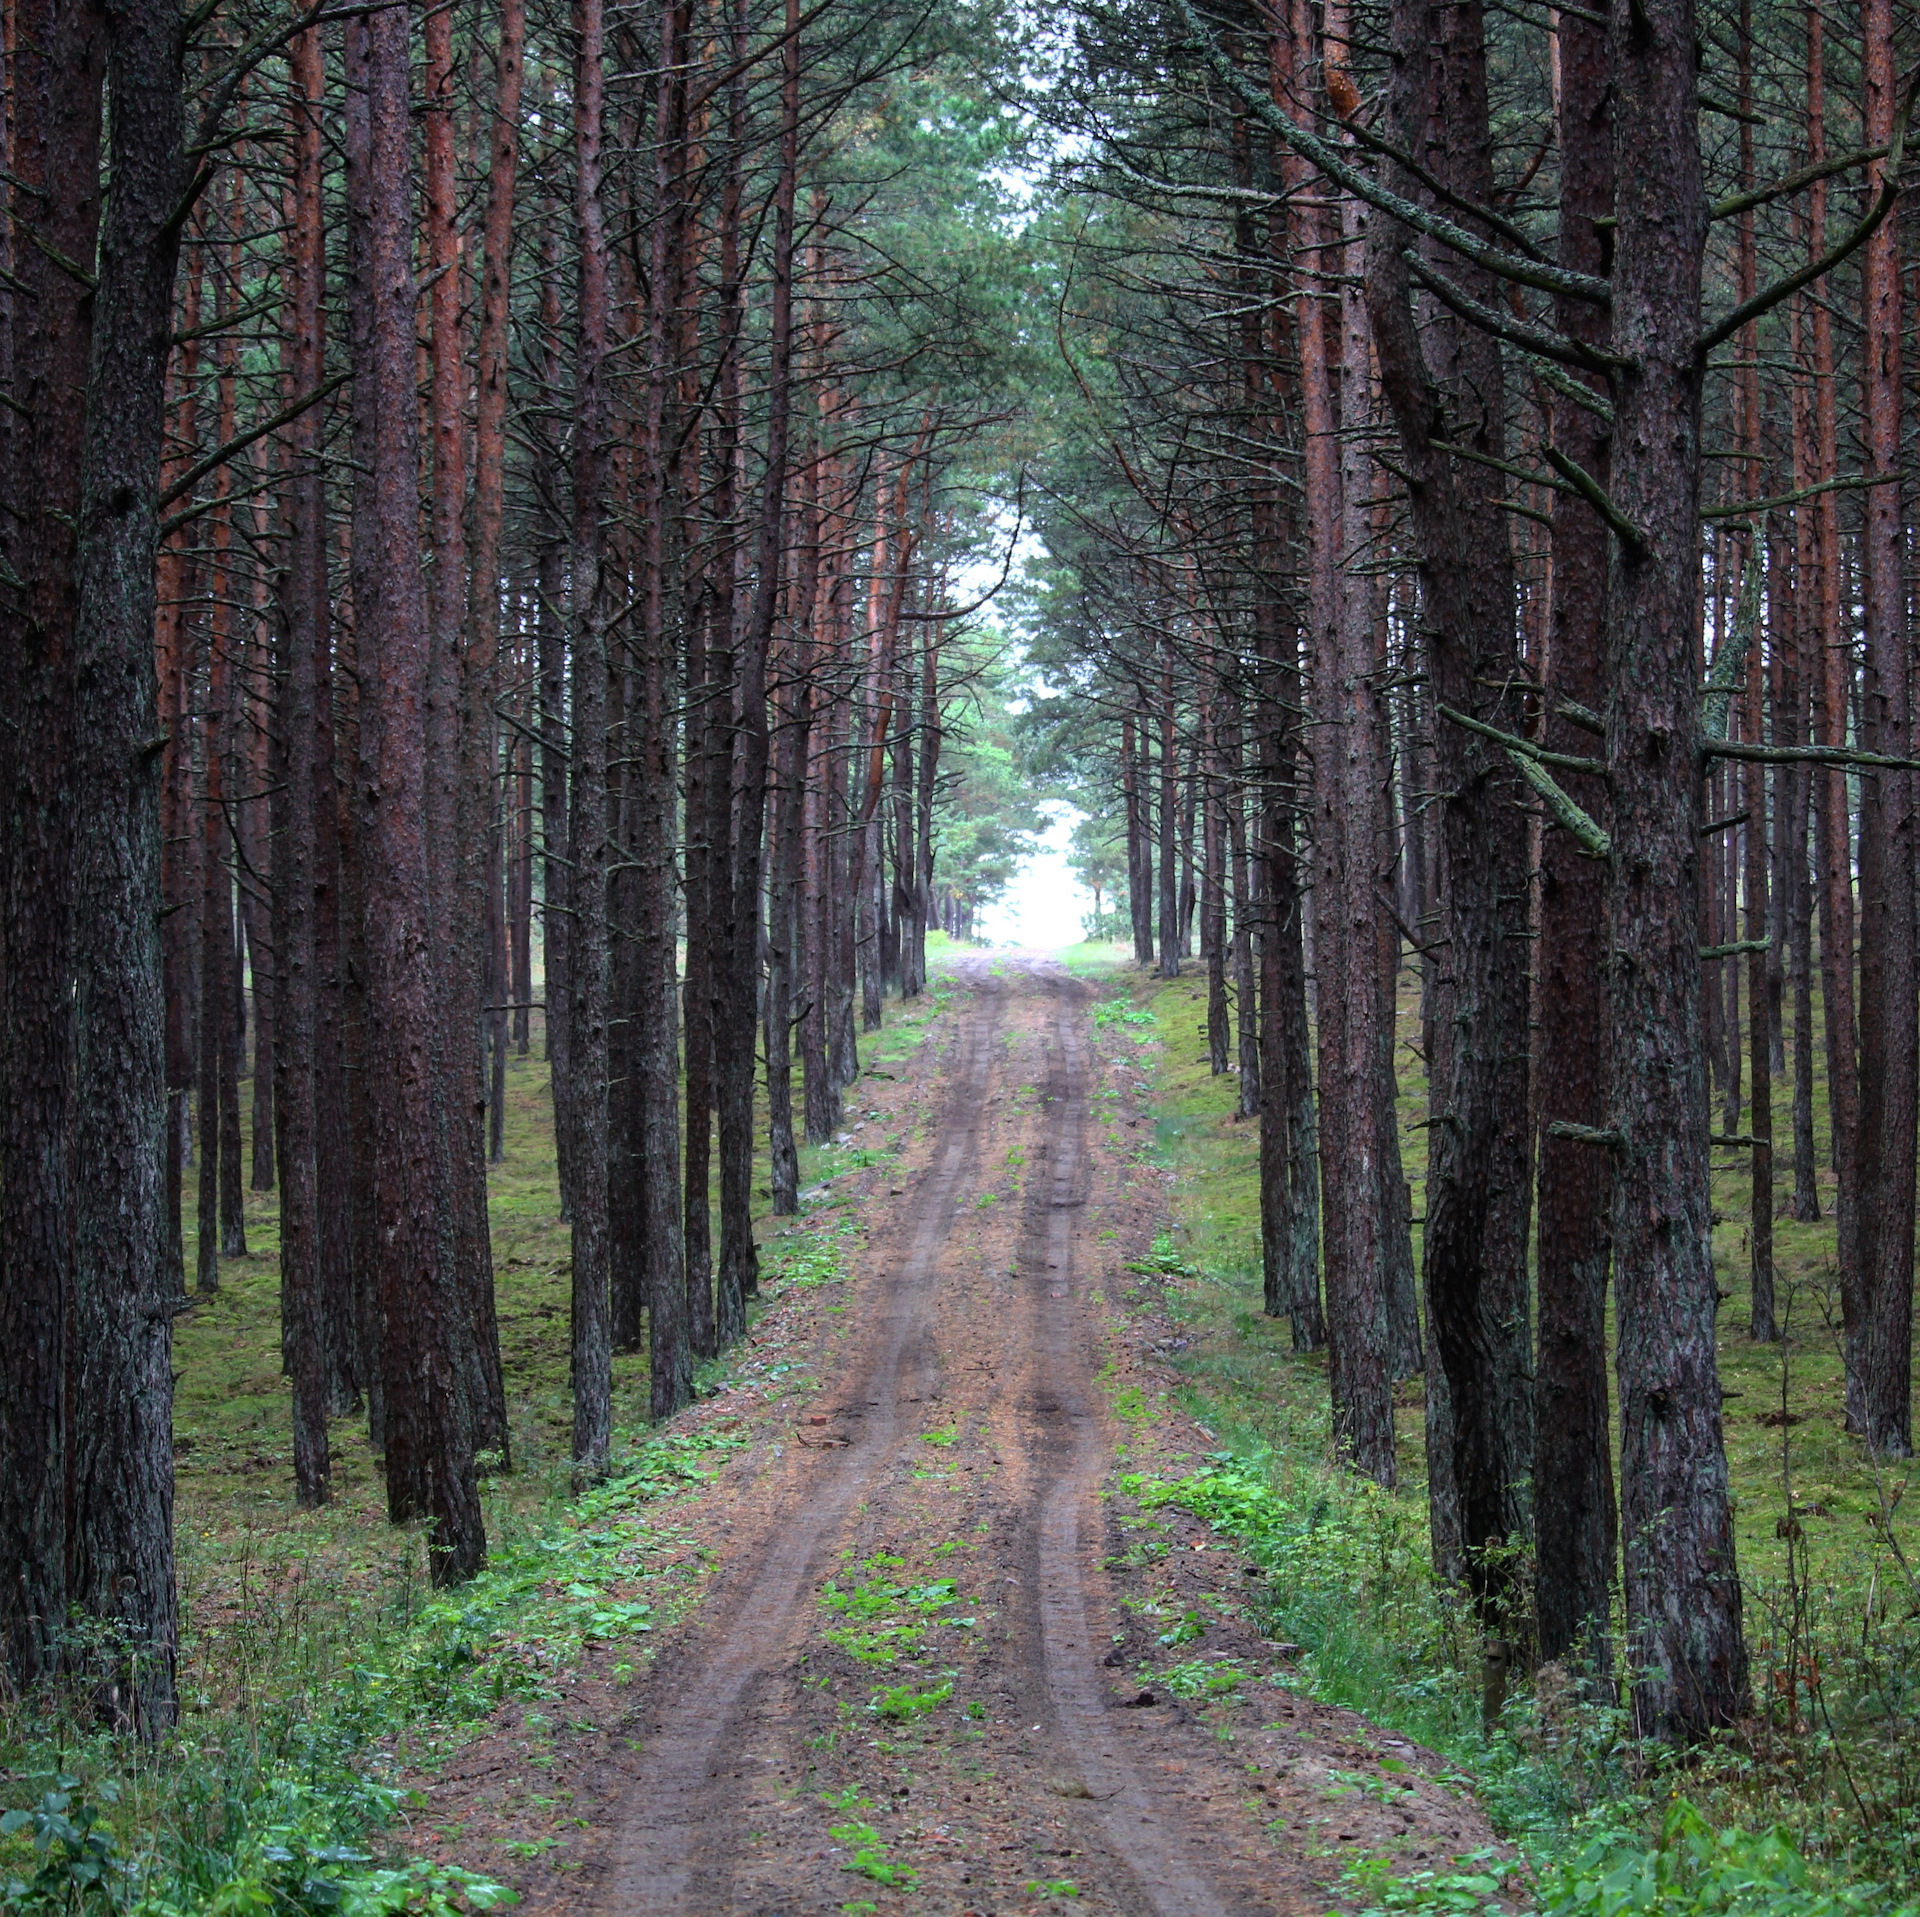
941	1513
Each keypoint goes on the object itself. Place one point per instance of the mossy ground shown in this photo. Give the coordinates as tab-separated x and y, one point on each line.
1839	1610
232	1402
316	1666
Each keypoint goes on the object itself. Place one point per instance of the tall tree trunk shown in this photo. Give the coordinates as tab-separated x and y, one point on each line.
298	891
1832	699
1447	385
474	664
1682	1588
56	65
588	823
120	1465
1574	1514
737	1017
1139	854
1880	1338
1759	918
1169	891
424	1313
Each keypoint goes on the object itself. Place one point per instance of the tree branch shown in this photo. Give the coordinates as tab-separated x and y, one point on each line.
1327	157
1566	761
221	454
1766	300
1596	496
1591	836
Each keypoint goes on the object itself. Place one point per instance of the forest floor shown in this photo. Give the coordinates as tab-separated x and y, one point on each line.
939	1646
1006	1566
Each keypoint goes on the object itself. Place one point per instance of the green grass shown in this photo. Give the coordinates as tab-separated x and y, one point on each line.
316	1666
1831	1753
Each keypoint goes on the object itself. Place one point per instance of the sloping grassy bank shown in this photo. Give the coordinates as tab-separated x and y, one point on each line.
1831	1755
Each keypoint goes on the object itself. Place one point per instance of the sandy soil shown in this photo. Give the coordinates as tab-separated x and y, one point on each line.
914	1680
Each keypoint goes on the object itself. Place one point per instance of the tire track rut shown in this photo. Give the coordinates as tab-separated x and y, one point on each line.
757	1611
994	1310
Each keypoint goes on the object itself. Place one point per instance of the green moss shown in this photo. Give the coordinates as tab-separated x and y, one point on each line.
1836	1765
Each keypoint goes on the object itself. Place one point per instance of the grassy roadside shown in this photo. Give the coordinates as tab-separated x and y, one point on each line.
1831	1755
318	1672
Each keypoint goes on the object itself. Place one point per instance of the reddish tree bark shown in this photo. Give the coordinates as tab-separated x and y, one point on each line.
429	1427
119	1468
588	823
299	895
1574	1512
1879	1327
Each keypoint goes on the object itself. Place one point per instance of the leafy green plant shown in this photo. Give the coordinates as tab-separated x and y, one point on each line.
1052	1887
1201	1678
1697	1871
902	1703
1189	1626
870	1856
78	1866
1383	1790
1482	1891
1165	1260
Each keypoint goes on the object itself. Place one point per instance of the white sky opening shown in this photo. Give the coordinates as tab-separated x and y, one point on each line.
1045	906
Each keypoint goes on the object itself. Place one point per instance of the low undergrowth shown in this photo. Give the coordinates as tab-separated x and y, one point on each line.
1805	1812
318	1671
282	1795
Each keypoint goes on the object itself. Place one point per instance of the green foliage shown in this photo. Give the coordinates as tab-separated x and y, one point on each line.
869	1857
280	1814
1480	1892
807	1255
1166	1261
876	1632
1698	1871
283	1855
903	1703
1202	1678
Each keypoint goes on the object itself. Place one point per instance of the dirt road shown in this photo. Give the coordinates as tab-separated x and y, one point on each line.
921	1674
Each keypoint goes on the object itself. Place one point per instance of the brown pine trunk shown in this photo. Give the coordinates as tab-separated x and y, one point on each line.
1475	1239
788	895
652	733
460	730
1880	1333
738	1004
120	1382
424	1310
358	712
1169	889
1139	851
1682	1588
1753	783
550	660
179	842
588	822
1801	683
1832	699
1245	915
478	596
1573	1499
55	70
218	1143
299	895
1213	899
